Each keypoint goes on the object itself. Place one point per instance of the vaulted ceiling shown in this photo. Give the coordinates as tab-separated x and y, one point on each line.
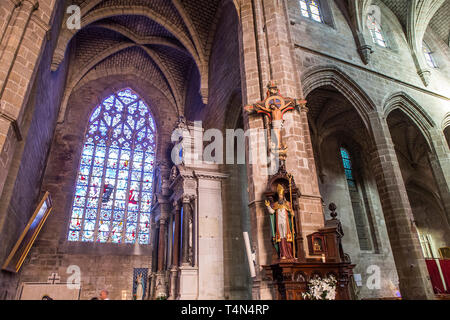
168	41
440	22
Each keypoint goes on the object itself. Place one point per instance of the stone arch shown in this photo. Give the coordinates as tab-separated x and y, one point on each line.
446	121
316	77
95	75
413	110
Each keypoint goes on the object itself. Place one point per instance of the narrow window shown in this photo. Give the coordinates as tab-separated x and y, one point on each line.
113	193
428	54
375	31
362	226
311	9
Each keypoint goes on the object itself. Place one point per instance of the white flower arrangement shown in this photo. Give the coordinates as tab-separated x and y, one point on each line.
321	289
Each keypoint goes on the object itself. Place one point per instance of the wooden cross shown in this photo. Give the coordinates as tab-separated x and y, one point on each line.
274	107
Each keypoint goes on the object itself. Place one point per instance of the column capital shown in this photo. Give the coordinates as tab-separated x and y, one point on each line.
188	198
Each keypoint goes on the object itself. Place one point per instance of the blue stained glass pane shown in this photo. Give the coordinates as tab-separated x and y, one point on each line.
105	214
148	177
119	204
123	174
104	226
348	174
122	184
103	237
107	117
79	201
103	128
127	131
89	225
116	119
117	227
141	135
147	187
130	238
75	224
88	236
86	160
95	114
74	235
145	217
131	228
132	108
121	194
145	205
91	214
97	171
143	239
77	213
81	191
144	227
136	175
93	128
119	106
116	237
132	216
92	203
345	154
118	215
303	5
131	122
117	131
127	96
140	123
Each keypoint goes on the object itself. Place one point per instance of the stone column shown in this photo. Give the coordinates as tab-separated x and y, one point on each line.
209	246
161	244
188	272
185	235
413	276
267	52
175	250
440	164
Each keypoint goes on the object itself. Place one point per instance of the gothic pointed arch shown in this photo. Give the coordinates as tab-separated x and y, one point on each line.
413	110
316	77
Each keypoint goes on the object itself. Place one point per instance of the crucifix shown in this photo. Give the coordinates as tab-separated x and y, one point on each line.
54	278
274	107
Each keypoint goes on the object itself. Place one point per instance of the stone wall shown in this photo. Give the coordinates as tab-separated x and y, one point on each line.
22	190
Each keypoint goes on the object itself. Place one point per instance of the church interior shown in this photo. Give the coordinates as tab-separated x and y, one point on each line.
354	100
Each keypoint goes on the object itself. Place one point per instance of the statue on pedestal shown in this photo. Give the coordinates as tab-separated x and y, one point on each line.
282	223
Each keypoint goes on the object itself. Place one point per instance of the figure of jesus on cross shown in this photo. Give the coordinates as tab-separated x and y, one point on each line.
274	107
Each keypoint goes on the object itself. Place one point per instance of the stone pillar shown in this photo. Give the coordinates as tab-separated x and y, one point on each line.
414	281
209	235
162	244
440	164
175	251
188	272
185	235
267	52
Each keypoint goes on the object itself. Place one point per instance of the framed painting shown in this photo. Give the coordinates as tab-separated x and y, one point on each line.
20	250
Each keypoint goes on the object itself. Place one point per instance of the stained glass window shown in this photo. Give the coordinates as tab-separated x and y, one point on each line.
348	168
428	54
311	9
113	192
375	31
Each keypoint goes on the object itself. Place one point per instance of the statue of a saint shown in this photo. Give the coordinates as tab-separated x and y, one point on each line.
139	287
284	234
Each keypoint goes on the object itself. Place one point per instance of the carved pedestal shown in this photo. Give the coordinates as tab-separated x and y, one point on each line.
290	279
